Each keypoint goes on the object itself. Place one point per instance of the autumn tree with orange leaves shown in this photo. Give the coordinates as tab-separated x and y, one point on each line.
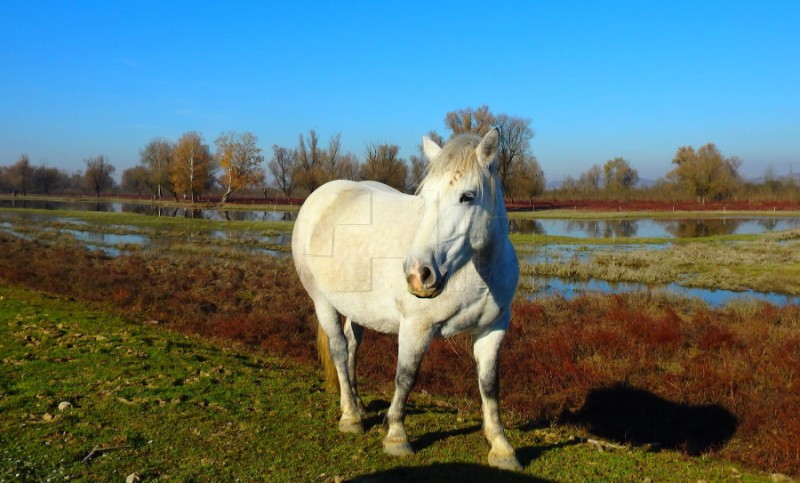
240	160
192	166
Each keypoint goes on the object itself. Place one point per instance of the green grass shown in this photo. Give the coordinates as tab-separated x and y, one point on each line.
171	407
155	222
166	202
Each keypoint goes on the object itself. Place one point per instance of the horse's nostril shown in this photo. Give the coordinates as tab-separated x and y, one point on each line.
426	275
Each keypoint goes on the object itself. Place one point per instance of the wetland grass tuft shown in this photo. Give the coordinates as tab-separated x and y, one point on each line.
766	263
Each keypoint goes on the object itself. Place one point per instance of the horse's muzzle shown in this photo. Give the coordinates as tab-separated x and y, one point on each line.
423	282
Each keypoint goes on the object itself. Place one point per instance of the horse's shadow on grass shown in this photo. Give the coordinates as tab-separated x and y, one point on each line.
466	472
628	415
527	454
618	413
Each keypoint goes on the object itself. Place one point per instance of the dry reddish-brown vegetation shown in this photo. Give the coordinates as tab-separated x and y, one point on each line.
635	368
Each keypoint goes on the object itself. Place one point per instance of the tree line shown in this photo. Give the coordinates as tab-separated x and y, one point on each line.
187	169
22	178
703	174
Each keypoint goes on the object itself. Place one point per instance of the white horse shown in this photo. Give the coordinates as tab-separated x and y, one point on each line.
435	264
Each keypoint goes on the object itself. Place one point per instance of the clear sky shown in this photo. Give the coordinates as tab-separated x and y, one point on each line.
597	79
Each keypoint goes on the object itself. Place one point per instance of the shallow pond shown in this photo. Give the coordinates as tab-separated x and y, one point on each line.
630	228
652	228
551	253
123	239
569	289
153	210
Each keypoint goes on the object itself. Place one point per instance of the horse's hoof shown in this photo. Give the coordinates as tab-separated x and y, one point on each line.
400	448
350	426
504	462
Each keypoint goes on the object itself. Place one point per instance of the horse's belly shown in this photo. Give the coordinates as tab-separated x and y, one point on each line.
373	311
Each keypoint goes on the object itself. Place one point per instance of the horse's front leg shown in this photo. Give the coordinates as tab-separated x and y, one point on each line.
413	343
486	348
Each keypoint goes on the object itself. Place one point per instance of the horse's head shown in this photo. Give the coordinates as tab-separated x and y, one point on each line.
460	193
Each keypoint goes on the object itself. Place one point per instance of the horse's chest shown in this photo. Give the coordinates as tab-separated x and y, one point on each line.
472	317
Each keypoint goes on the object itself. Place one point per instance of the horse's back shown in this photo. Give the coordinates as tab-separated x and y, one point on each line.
349	240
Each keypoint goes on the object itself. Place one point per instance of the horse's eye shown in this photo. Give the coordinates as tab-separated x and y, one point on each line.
467	197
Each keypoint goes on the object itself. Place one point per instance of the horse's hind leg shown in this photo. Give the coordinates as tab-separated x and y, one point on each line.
329	321
486	348
354	333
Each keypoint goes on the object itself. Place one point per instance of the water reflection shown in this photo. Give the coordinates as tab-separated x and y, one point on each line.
526	227
702	228
652	228
604	228
625	228
714	297
153	210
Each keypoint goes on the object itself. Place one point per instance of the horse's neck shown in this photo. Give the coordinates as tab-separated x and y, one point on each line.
497	250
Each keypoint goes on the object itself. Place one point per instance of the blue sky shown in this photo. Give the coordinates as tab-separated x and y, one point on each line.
597	79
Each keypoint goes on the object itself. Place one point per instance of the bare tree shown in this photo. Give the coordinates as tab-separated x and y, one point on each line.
5	179
20	175
527	179
136	180
477	121
591	180
47	179
419	167
310	173
514	151
240	159
514	147
283	167
333	157
348	167
383	164
98	174
157	156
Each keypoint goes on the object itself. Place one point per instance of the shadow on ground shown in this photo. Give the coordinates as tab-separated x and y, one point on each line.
628	415
461	472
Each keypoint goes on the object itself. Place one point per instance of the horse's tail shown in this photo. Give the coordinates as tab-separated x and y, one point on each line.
324	353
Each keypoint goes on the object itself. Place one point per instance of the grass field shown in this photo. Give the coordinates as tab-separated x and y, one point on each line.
167	406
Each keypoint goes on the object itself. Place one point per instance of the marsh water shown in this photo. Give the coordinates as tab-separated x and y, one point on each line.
652	228
714	297
606	228
153	209
126	239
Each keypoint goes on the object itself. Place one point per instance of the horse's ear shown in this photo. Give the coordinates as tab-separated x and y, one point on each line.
487	149
430	148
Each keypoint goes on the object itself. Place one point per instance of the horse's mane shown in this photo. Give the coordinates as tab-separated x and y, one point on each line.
457	159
